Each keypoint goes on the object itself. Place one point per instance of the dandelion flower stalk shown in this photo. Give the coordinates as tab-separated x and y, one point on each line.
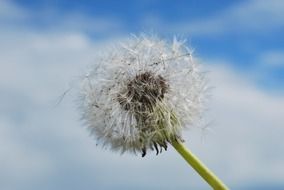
199	167
141	95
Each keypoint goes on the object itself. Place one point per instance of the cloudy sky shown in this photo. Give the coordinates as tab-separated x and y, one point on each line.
46	45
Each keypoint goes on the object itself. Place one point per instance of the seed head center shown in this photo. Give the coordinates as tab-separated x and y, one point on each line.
143	92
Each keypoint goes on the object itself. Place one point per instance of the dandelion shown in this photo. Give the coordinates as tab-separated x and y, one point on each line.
142	94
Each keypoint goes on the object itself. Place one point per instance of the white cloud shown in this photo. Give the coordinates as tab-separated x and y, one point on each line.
20	162
9	11
97	25
250	123
272	58
44	147
246	135
15	17
249	16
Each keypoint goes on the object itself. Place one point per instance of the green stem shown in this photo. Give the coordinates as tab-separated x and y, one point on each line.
203	171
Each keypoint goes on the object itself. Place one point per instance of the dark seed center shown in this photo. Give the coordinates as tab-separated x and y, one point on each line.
143	92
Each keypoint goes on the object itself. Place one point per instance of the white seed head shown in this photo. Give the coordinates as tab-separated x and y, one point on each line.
142	93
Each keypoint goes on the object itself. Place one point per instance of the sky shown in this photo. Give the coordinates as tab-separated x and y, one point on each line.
45	46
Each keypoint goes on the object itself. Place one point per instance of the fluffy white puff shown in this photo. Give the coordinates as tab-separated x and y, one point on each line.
142	93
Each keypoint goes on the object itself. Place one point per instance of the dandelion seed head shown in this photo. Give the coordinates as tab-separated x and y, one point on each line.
141	94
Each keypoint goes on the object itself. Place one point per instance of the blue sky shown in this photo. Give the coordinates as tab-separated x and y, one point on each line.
245	33
46	45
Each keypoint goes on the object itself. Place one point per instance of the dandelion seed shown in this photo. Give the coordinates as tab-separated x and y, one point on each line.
142	94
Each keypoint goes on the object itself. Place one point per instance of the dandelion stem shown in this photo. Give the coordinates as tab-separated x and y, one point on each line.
199	167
